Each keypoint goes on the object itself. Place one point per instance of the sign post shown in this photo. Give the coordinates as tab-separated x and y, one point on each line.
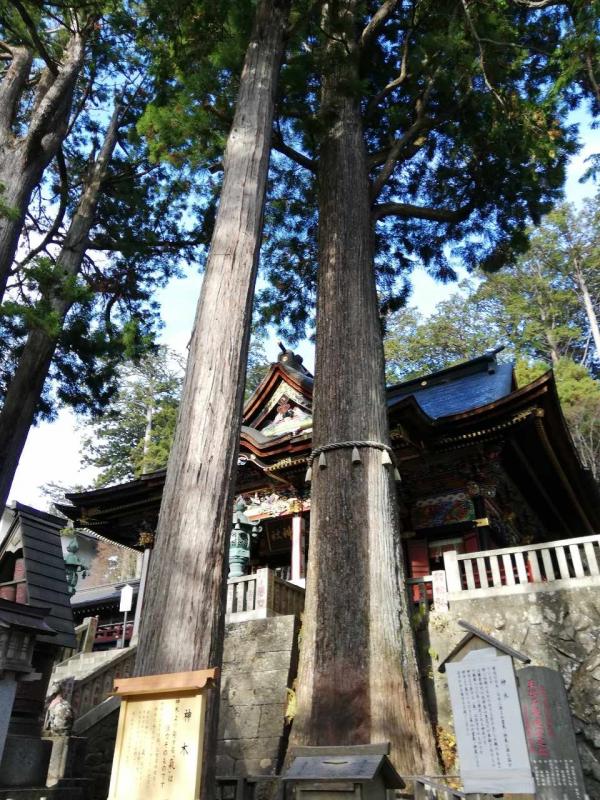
550	735
125	607
160	736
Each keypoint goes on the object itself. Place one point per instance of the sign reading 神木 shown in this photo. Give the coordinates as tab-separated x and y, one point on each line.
550	735
489	728
158	751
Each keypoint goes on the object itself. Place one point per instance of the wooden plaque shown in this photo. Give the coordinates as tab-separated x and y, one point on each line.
160	737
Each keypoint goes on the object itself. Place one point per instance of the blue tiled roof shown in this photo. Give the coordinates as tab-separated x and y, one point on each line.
458	389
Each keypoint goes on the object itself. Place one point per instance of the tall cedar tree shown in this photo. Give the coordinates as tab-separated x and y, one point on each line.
25	388
183	620
43	53
102	230
419	127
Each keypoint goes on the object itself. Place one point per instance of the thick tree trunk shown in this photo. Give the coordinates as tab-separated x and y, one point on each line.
24	390
183	616
24	158
359	679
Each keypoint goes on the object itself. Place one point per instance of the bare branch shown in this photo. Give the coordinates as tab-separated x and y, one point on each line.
394	153
408	211
31	27
12	85
537	3
471	24
60	214
393	156
294	155
161	244
385	10
59	91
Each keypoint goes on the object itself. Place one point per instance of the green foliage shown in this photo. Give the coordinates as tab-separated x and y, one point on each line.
535	308
464	114
457	331
258	365
142	227
133	435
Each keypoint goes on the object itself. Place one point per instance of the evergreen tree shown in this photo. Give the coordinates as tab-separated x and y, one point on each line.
195	516
134	435
103	229
444	125
42	81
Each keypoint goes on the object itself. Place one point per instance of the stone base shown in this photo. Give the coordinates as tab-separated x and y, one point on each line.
24	762
67	759
55	793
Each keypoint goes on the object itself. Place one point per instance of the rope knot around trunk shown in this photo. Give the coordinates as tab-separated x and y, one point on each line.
387	454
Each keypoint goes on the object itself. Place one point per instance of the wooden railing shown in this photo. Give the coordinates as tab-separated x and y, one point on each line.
262	595
533	567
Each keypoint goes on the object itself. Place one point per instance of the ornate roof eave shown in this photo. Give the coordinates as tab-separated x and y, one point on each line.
297	381
489	432
265	447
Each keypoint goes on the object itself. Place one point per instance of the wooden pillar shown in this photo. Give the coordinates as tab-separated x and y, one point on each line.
298	565
140	597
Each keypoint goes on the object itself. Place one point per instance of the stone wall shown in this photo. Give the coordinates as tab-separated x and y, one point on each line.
101	732
259	665
557	629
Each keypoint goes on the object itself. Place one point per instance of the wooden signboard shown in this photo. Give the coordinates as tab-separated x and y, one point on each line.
550	735
158	751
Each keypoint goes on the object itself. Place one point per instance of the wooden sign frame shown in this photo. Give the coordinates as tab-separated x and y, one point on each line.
160	736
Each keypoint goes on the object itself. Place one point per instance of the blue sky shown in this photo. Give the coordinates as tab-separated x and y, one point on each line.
52	450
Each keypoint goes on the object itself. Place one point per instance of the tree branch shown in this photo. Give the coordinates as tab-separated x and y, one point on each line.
392	157
294	155
475	34
394	153
408	211
385	10
164	244
60	214
30	25
12	85
60	89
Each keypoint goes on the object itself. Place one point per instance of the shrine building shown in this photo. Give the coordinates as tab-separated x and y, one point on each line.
484	465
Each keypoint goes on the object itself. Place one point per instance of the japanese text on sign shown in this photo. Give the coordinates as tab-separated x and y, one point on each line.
488	724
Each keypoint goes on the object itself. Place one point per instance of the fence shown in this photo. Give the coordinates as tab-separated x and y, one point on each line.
262	595
514	570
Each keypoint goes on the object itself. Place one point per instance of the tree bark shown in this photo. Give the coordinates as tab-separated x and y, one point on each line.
358	677
23	159
25	388
588	305
183	617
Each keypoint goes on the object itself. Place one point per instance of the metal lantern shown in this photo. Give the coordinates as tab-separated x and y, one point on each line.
74	566
242	532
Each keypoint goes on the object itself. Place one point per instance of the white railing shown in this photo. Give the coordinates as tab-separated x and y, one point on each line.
262	595
534	567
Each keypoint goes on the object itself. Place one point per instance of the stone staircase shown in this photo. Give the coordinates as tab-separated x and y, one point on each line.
93	675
